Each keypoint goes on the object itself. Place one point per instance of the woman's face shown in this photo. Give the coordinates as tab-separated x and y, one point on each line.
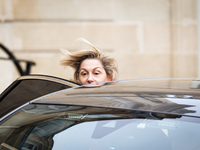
92	71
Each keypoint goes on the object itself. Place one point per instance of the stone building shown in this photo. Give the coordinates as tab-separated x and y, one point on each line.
148	38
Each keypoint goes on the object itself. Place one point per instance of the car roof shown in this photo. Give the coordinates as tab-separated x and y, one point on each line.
172	96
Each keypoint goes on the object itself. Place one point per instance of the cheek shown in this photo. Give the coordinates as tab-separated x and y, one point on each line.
103	78
80	79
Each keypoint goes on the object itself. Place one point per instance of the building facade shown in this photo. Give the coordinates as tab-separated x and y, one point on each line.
148	38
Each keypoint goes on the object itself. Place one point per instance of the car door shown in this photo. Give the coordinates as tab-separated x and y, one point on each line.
27	88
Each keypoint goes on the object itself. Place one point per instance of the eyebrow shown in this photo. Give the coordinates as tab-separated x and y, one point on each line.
92	69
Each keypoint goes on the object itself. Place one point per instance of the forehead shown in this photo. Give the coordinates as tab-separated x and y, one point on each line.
91	63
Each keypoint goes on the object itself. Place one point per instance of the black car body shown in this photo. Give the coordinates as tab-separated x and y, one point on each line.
131	114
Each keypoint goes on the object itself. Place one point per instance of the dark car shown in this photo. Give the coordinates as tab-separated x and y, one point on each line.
44	113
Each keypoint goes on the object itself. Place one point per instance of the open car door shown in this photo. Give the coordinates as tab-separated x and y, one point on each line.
27	88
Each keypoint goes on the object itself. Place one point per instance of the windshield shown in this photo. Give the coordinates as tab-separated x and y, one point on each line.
46	127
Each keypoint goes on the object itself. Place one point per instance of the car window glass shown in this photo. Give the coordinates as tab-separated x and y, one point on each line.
55	127
27	90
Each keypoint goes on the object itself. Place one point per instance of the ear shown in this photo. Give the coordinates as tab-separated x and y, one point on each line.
109	77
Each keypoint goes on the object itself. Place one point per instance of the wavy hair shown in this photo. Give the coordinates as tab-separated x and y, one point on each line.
75	59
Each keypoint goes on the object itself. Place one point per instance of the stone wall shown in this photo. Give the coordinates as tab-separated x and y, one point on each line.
148	38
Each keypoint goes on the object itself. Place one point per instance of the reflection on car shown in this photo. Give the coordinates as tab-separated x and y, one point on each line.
49	113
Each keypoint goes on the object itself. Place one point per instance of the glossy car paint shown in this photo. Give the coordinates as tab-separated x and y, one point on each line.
139	114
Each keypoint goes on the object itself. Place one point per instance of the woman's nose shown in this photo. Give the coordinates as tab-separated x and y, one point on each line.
90	79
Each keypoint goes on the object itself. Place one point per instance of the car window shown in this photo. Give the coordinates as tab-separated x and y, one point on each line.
38	127
23	91
129	134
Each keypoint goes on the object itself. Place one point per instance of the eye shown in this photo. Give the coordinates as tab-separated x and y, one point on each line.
83	73
96	73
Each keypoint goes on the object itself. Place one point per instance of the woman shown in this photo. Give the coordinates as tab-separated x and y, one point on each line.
91	65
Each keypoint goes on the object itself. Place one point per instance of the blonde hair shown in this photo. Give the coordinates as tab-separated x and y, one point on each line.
75	59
